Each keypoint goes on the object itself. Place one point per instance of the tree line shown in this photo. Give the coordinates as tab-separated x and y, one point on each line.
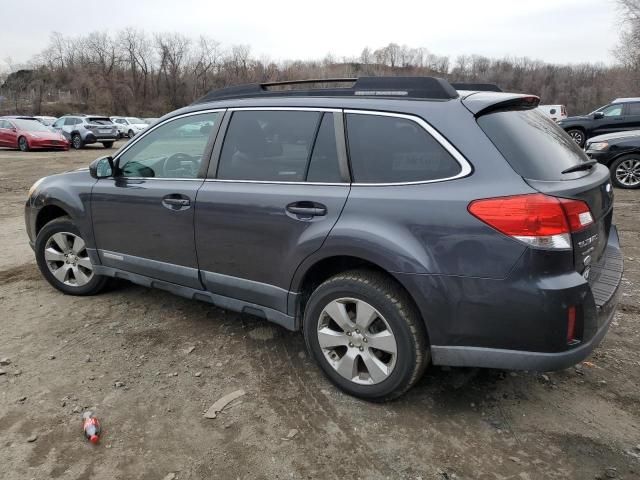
135	73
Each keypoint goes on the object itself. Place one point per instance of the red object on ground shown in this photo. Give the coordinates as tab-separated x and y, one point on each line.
91	427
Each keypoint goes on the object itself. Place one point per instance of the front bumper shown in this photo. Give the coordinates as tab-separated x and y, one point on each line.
520	324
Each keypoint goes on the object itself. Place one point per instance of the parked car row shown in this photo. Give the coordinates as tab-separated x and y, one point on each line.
76	130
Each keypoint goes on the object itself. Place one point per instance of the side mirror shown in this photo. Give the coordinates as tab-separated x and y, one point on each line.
14	129
102	168
598	115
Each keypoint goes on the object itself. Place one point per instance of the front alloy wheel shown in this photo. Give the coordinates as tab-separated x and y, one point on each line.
357	341
64	261
626	172
578	136
67	259
23	145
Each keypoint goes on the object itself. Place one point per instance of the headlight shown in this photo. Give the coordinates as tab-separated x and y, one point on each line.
598	146
34	186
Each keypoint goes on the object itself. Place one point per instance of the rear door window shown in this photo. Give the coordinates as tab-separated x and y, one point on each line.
533	144
268	145
389	149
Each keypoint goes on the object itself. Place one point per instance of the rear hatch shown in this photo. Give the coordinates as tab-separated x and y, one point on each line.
101	126
551	162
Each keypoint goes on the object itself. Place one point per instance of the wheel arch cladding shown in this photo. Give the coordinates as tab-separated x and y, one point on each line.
48	213
321	269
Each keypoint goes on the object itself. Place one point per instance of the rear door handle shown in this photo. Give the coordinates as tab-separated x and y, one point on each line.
307	209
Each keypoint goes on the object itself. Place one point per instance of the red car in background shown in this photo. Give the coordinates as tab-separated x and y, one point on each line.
29	134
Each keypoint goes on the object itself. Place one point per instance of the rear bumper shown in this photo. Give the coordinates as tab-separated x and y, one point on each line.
94	138
517	324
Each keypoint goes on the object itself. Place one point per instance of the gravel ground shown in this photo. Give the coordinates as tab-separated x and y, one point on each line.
150	364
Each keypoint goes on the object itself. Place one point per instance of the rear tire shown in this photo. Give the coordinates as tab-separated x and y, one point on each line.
76	141
578	136
63	259
625	172
130	134
346	347
23	144
107	144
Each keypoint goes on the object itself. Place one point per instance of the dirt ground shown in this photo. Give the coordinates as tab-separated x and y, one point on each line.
150	364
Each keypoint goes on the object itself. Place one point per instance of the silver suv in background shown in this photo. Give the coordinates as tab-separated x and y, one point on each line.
83	130
129	126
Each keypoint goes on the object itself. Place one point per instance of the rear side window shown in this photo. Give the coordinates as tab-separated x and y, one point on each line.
387	149
268	145
534	145
634	109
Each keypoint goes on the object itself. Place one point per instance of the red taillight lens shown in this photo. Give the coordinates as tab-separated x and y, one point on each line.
539	220
571	324
578	214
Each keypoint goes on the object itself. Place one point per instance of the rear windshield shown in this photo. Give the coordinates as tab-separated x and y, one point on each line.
99	120
534	145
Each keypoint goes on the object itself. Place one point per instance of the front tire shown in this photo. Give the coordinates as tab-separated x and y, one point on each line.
625	172
366	334
23	144
130	134
578	136
63	259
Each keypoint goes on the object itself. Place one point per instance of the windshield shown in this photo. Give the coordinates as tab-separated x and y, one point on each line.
533	144
134	120
30	125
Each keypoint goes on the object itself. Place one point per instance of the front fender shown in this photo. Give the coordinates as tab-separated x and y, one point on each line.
70	192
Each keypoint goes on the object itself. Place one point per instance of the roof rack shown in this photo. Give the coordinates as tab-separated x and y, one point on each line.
479	87
431	88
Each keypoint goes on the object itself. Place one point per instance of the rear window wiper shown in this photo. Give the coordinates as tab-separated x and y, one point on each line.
581	166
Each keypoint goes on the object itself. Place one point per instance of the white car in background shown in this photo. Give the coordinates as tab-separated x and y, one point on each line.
129	126
45	120
554	112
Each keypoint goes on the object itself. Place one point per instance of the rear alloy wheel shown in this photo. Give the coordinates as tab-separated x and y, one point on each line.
63	259
578	136
131	134
76	141
367	336
625	172
23	144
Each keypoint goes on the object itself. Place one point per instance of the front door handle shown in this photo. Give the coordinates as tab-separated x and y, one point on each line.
307	209
176	201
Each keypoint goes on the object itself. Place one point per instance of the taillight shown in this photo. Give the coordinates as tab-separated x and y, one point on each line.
538	220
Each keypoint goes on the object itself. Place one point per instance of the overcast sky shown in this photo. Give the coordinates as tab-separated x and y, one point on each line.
550	30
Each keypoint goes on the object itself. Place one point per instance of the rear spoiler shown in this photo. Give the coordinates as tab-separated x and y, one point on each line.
477	87
481	103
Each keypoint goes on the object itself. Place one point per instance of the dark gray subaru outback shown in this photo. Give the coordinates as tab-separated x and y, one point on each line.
396	221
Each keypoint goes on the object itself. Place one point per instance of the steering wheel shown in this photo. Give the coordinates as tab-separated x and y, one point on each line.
180	165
